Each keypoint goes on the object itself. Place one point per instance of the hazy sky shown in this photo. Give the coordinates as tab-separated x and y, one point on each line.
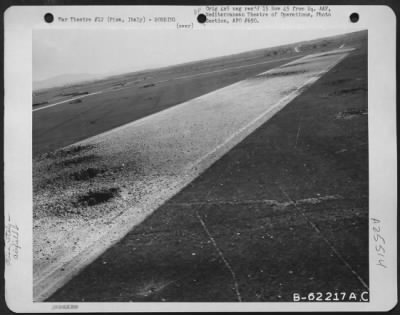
60	52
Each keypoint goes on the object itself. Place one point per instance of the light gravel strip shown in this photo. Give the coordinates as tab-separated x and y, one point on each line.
170	148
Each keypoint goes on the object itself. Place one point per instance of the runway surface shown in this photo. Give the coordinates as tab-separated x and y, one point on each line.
271	218
63	119
160	154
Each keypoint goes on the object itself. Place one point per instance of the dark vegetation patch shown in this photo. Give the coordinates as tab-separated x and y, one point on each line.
93	198
148	85
62	178
118	84
77	160
63	167
58	175
87	173
75	101
349	91
70	151
40	103
352	113
76	149
79	205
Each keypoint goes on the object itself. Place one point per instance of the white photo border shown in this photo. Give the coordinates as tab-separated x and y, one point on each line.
380	21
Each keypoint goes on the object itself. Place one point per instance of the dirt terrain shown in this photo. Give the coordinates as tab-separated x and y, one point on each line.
283	212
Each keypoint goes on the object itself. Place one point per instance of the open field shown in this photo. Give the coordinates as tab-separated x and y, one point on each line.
282	195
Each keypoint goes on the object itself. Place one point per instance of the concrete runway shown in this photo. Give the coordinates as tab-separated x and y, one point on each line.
128	99
272	217
184	137
164	152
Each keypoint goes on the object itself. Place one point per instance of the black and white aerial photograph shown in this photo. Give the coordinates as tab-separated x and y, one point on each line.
200	166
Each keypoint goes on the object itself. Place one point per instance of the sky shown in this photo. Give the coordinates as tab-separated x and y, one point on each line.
105	52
